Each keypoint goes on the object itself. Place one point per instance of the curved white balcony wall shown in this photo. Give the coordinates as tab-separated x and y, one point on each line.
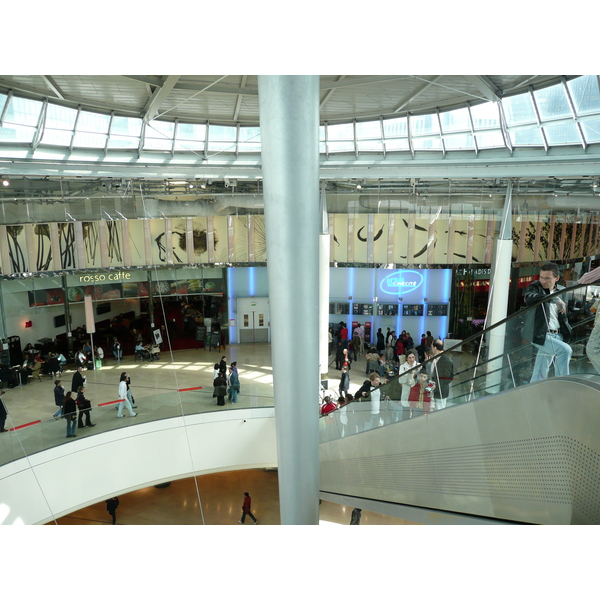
58	481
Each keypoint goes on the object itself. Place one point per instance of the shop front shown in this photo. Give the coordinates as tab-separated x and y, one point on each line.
49	310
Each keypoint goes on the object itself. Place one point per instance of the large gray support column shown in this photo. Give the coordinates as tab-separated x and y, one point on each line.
324	254
498	298
289	129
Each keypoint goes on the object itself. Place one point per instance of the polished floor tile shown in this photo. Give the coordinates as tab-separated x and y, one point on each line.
213	499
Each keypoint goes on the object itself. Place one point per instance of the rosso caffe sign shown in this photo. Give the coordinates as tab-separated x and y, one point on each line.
120	276
401	282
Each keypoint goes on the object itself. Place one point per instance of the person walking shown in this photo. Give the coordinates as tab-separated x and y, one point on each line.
123	397
70	414
59	398
234	386
85	408
111	506
246	509
129	394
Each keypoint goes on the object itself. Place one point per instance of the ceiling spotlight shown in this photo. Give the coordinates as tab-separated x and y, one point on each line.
595	183
203	185
5	181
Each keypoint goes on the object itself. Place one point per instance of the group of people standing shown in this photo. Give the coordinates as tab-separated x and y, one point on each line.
226	382
76	408
69	403
421	388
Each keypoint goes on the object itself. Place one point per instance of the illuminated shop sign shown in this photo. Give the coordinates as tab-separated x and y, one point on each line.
401	282
103	277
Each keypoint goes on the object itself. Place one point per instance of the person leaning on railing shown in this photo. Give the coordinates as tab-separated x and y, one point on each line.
551	327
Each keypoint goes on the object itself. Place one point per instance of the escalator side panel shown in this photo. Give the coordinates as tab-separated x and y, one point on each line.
531	454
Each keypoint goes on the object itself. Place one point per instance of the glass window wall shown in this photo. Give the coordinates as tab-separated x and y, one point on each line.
62	126
552	103
159	135
585	94
518	110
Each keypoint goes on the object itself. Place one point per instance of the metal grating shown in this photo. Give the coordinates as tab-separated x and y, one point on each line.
556	469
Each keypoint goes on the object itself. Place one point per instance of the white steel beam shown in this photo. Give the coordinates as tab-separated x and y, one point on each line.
53	86
158	97
238	102
485	86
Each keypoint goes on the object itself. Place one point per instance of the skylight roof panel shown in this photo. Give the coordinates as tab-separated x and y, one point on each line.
552	102
518	109
22	111
585	94
455	120
563	133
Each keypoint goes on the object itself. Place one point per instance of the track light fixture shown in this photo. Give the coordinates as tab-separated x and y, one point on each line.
5	181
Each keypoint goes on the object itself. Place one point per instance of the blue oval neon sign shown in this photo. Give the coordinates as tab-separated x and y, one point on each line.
401	282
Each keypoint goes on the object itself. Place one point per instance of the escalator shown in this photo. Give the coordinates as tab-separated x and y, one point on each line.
502	450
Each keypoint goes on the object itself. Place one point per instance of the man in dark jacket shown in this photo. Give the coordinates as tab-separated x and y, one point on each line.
344	382
78	380
111	506
551	327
